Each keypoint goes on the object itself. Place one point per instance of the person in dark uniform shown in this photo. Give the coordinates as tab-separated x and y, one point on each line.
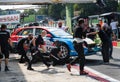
4	44
21	49
40	43
24	45
78	36
109	32
105	43
88	30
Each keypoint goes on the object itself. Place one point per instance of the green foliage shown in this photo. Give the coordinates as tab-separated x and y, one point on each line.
118	9
56	11
76	7
87	9
43	11
31	18
30	11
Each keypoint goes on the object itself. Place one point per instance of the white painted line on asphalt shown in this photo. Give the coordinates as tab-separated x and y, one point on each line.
116	47
101	75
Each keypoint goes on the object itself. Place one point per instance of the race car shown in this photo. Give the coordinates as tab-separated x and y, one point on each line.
64	39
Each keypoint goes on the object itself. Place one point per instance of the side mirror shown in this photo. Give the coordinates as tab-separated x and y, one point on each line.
48	35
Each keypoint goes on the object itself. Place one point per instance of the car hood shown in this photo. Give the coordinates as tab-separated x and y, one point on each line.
67	37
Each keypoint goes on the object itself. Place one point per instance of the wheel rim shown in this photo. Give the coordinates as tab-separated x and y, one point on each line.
64	51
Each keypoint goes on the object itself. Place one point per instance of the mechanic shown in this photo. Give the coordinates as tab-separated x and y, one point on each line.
105	43
55	55
23	47
110	34
88	30
4	44
40	43
78	36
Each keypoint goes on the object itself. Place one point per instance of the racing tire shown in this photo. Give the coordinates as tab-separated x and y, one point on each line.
65	52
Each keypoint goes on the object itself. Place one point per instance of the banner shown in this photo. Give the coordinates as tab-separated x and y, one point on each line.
13	18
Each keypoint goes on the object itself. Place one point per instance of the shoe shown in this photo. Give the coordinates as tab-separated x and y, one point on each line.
83	73
6	68
30	69
69	67
21	62
110	57
106	63
26	64
48	66
0	68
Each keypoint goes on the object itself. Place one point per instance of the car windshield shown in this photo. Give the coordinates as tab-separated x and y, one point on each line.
60	33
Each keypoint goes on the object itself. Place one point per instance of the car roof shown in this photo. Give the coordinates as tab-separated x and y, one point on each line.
42	27
39	27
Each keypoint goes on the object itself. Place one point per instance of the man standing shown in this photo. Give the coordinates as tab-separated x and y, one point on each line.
4	43
60	25
109	32
78	36
114	27
105	43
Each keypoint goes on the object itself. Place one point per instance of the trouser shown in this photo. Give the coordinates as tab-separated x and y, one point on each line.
55	57
5	51
81	57
110	48
42	58
29	63
105	52
29	58
115	31
23	55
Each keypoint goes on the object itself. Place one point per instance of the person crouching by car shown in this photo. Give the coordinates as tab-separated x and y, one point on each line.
23	48
56	55
41	47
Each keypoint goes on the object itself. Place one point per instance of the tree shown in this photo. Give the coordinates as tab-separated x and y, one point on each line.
111	6
29	11
118	9
56	11
76	7
87	9
43	10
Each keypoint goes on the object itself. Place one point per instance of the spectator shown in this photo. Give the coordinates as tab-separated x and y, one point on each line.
114	27
60	25
105	24
4	44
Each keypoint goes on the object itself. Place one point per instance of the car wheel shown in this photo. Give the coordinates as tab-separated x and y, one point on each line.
64	50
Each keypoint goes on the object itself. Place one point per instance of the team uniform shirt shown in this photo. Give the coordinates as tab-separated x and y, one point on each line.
20	43
109	33
39	41
89	31
103	36
4	37
78	34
